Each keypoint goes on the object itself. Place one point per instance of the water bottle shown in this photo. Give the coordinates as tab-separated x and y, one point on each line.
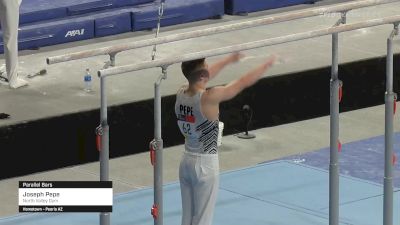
88	81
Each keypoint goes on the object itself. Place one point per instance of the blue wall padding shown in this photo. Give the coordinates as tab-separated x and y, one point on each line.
234	7
176	12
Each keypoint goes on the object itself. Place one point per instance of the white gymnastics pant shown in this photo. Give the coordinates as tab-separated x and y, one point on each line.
199	180
9	18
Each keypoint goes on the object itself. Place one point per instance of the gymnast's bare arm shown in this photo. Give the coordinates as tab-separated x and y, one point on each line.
213	96
215	68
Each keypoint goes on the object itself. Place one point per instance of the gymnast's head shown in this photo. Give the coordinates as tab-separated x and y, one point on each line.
195	70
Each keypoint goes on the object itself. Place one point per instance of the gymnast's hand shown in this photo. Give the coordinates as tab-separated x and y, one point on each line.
215	68
236	56
271	60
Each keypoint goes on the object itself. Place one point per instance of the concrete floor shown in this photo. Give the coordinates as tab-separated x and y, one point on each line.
60	91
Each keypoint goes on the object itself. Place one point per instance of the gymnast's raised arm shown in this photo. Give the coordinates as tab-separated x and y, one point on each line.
219	94
215	68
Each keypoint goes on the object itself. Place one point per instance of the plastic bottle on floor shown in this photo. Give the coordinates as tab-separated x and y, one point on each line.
88	81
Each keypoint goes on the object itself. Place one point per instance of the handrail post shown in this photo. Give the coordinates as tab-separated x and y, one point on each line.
110	63
390	100
334	129
104	152
158	165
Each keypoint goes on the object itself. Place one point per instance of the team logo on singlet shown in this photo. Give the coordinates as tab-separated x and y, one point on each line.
186	114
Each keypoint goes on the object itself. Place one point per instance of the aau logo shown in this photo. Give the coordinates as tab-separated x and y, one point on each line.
73	33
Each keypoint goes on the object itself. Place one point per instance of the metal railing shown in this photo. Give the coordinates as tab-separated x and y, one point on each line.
334	89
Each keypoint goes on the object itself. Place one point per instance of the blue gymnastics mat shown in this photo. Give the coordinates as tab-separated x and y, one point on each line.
41	10
176	12
362	159
279	193
234	7
114	21
36	35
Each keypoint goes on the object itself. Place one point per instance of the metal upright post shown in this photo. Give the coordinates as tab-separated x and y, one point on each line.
389	110
104	152
334	136
112	59
157	210
334	130
110	63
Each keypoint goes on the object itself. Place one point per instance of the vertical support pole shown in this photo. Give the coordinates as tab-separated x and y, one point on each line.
112	59
158	166
334	129
110	63
389	99
334	135
104	153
